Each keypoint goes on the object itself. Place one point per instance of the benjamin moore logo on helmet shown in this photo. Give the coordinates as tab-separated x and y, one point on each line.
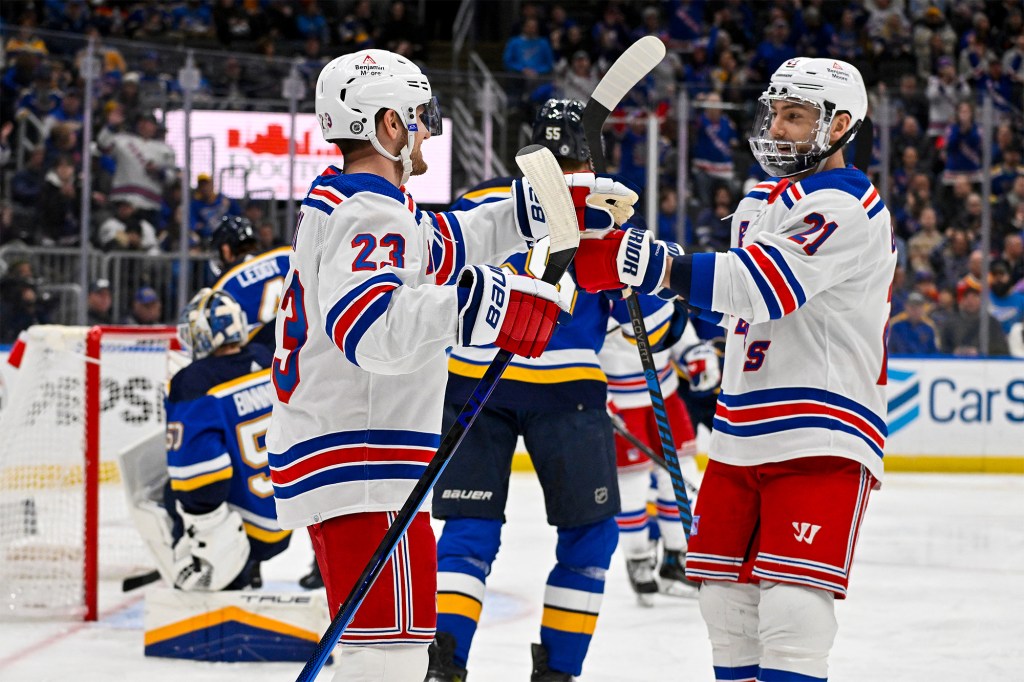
369	67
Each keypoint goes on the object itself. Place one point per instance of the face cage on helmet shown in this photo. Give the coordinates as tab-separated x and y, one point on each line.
431	117
780	158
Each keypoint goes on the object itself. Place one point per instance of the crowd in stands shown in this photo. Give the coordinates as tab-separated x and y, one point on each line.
932	61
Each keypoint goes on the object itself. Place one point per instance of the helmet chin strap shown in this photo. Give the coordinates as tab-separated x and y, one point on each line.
404	155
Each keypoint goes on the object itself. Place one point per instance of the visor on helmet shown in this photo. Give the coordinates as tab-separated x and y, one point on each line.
431	117
782	158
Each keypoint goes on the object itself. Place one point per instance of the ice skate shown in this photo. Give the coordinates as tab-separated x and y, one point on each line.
674	582
641	579
541	671
312	580
441	667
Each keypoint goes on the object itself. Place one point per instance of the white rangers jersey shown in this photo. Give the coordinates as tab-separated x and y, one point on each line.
627	386
360	365
808	289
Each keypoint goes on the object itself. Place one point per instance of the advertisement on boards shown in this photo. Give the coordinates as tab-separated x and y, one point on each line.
231	144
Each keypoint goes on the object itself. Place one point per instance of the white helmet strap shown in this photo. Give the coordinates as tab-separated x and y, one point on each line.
404	154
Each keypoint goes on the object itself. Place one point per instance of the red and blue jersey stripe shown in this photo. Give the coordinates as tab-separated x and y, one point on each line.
351	456
779	287
448	252
350	318
776	410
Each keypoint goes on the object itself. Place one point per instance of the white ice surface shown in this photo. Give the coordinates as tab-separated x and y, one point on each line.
936	594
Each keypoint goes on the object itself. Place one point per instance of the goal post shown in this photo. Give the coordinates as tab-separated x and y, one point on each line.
78	398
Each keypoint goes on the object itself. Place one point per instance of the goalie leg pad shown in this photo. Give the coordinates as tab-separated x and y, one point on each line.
382	663
730	611
797	629
213	550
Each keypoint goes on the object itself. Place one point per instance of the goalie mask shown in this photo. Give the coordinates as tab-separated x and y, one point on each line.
210	320
559	127
806	95
354	87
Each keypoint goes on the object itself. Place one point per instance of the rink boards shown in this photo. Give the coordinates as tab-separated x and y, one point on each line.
945	414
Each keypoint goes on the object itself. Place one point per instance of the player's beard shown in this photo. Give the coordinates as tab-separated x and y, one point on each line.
419	166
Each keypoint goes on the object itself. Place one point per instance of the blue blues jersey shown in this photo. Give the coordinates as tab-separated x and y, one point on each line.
257	284
568	374
218	410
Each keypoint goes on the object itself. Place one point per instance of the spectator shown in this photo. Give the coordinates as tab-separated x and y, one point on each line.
933	37
816	36
27	184
26	40
713	230
727	78
997	84
69	113
1013	60
925	241
577	79
1013	254
1007	306
58	205
950	262
358	31
611	33
193	19
99	304
912	332
310	22
231	21
16	78
209	206
402	34
311	62
154	84
266	234
943	91
962	333
650	25
972	280
127	97
41	99
557	30
232	86
846	41
529	56
772	52
24	309
686	23
974	57
1005	174
943	311
127	231
64	141
575	40
910	101
146	307
963	147
145	163
714	148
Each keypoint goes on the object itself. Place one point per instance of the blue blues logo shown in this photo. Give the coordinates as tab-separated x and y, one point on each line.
904	399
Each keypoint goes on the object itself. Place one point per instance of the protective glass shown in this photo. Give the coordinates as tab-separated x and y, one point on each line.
431	116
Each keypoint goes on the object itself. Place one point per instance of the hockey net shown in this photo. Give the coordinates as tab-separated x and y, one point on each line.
78	399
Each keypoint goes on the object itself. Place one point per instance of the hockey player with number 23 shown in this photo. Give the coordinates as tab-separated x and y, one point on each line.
376	291
800	425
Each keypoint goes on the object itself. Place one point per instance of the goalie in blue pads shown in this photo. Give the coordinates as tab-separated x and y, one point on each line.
218	409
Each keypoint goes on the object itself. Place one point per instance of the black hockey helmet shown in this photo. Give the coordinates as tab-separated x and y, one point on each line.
233	230
559	127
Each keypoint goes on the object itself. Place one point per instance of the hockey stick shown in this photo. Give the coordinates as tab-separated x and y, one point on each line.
634	64
546	179
620	428
134	582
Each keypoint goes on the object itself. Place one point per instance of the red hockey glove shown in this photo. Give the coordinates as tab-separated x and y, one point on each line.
514	312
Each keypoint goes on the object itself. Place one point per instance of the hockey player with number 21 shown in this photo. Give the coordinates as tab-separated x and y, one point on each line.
377	290
800	424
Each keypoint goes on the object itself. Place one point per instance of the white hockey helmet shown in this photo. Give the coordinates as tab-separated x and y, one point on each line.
210	320
354	87
830	86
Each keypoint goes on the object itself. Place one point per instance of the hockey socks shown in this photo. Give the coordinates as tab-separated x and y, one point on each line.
575	588
465	552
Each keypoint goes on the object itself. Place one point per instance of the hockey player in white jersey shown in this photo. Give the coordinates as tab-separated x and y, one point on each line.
800	424
376	291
